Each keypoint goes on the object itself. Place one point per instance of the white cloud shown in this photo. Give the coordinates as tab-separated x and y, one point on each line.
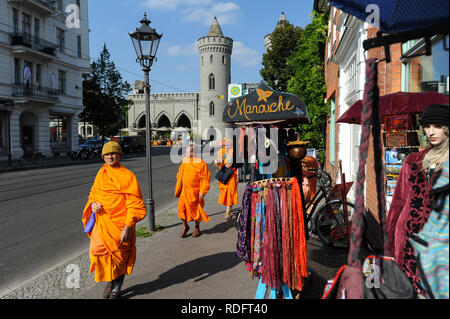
226	13
177	50
244	55
199	11
172	4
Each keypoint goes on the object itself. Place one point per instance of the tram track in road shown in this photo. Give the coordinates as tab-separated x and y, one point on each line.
23	185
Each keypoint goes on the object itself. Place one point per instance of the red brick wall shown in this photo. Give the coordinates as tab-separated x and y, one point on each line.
331	80
389	81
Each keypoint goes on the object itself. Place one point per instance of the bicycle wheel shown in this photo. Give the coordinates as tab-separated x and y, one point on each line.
330	223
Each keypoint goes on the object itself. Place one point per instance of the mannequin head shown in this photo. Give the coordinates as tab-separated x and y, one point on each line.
434	121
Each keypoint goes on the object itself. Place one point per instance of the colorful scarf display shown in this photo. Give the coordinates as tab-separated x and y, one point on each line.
275	231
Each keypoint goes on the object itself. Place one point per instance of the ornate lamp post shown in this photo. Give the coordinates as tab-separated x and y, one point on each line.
146	41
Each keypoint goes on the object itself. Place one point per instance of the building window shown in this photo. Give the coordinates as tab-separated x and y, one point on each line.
211	58
27	76
211	109
58	130
223	59
38	75
332	132
62	81
17	71
2	132
426	73
60	39
37	27
15	19
212	82
59	5
202	60
79	46
26	23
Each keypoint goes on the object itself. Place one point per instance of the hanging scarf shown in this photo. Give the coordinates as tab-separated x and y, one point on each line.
293	273
276	199
270	263
286	239
299	234
252	227
243	221
258	230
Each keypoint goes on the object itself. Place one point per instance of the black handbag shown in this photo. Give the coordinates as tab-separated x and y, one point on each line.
224	174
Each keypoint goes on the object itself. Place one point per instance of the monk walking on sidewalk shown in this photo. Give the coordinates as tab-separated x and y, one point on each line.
113	208
229	191
192	185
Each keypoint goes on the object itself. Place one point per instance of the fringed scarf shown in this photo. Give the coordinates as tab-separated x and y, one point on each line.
300	253
276	199
243	221
252	227
258	230
270	263
286	238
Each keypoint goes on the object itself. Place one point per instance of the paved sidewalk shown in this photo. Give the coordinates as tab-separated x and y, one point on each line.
169	267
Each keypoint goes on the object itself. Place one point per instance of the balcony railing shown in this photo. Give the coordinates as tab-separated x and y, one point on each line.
48	5
40	92
33	42
51	4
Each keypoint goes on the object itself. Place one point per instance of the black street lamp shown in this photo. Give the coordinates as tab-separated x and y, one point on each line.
146	41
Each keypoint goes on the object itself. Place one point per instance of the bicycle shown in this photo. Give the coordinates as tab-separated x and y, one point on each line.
31	157
328	221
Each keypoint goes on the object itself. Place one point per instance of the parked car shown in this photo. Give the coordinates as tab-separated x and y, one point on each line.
90	149
131	144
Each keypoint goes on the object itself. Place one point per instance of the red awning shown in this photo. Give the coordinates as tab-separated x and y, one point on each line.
396	103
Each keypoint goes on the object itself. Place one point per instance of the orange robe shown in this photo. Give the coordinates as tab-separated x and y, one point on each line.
117	189
228	192
192	178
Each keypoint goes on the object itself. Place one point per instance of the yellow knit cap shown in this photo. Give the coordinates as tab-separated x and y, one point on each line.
111	147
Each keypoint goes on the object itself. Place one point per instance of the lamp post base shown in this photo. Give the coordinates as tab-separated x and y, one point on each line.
150	208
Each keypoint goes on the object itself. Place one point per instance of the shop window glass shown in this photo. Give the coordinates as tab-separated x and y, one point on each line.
427	73
2	135
58	130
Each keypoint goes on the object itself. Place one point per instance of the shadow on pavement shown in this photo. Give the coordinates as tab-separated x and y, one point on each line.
204	266
222	227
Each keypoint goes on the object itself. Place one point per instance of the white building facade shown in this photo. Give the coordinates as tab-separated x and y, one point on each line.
44	51
349	56
196	111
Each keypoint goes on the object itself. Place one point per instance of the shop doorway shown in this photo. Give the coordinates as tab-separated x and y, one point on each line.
27	133
27	138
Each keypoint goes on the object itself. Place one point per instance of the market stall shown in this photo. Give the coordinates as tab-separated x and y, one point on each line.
272	231
399	113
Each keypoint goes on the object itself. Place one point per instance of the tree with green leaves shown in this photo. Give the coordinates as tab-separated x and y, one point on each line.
105	96
284	42
308	81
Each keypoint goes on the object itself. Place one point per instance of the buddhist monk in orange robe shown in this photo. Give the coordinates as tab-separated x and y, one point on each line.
228	192
192	185
116	200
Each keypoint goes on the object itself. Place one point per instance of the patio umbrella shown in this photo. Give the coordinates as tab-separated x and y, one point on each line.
396	103
398	15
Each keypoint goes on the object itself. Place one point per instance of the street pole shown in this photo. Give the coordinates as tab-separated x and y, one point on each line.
149	203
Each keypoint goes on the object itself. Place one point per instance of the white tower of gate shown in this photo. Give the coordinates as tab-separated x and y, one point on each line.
215	75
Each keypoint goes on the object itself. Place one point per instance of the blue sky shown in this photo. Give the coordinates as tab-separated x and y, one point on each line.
182	23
